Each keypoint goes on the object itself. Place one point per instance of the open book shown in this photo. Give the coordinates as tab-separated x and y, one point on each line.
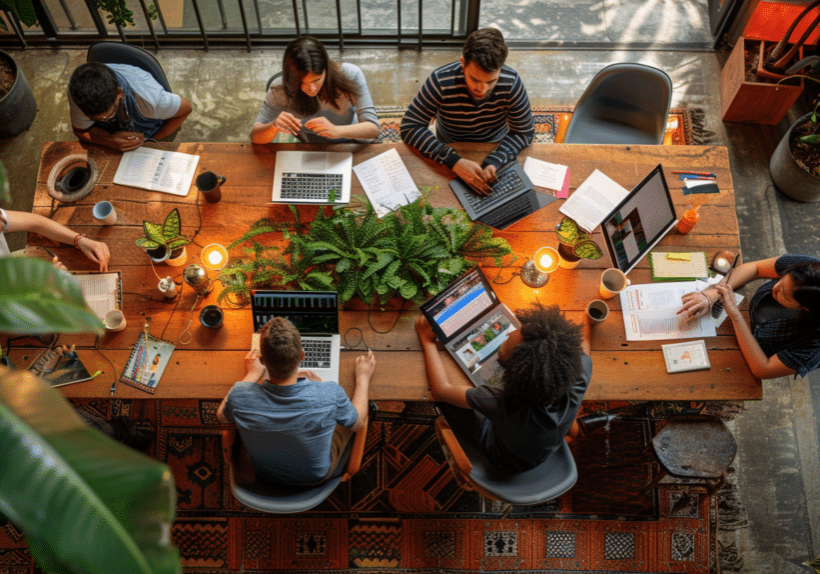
157	170
102	291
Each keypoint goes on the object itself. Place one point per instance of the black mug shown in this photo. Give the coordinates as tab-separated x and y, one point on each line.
211	317
210	185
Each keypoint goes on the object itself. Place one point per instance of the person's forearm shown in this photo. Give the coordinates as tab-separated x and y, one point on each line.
263	133
740	276
23	221
363	130
99	137
361	397
761	366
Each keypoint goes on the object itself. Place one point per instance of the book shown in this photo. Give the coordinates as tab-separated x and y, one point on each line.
102	291
593	200
147	361
651	313
672	266
157	170
688	356
58	368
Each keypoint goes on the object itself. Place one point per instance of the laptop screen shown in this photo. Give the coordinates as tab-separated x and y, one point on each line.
311	312
640	221
457	307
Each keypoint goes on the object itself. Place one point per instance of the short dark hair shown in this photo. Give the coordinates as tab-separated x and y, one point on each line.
543	367
807	286
280	345
93	87
486	48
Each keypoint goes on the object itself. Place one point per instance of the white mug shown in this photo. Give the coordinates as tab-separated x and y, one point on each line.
104	211
114	321
613	281
597	310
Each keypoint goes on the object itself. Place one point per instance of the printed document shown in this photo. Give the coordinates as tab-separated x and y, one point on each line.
387	182
157	170
548	175
651	313
594	200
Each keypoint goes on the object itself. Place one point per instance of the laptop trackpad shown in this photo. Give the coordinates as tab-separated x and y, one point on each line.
317	161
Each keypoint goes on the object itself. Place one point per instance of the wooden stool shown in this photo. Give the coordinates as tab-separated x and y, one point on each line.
694	447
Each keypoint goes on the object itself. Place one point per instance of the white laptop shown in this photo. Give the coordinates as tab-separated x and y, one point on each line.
310	177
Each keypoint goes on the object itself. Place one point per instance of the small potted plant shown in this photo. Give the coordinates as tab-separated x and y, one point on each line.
575	244
164	243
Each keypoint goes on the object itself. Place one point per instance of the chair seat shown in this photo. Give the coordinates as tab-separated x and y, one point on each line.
608	131
695	447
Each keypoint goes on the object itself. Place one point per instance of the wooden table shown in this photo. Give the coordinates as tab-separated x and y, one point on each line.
213	361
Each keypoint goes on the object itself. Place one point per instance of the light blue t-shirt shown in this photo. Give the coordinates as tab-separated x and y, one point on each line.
287	430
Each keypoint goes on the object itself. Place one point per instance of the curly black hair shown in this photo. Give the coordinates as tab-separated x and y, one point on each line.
544	366
93	87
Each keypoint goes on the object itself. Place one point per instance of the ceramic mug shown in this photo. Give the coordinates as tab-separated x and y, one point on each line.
210	185
597	310
105	213
211	317
114	321
613	281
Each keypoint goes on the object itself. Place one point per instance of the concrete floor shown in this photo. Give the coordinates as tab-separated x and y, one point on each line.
777	470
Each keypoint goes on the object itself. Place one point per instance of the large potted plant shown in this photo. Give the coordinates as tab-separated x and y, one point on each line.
17	104
795	163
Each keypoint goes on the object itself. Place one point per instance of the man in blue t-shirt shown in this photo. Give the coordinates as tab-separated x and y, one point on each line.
293	425
547	369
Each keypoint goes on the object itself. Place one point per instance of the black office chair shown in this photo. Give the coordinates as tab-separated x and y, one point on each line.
473	471
270	81
623	104
119	53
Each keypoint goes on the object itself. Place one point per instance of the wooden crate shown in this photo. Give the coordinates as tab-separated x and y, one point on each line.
753	102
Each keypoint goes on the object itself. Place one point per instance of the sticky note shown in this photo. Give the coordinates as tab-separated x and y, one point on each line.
679	256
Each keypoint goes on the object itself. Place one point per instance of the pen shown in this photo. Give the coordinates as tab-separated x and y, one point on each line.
685	176
695	173
47	250
729	273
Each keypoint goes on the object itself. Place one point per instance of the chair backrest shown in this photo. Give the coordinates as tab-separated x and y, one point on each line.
119	53
270	81
548	480
624	104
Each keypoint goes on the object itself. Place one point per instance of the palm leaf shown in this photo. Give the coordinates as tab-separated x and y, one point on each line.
37	298
153	231
23	9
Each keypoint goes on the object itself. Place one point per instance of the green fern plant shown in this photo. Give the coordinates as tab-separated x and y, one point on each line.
413	252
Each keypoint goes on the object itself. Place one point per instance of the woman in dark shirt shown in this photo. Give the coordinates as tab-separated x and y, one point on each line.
783	338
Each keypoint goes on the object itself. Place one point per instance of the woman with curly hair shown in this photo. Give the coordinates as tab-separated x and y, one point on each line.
547	369
316	100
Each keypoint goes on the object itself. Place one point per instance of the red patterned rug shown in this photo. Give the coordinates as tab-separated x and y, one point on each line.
403	511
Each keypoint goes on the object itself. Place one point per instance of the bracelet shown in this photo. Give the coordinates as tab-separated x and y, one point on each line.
707	299
77	240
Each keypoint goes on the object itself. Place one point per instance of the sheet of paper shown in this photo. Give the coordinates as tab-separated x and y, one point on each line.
548	175
101	291
650	313
157	170
387	182
593	201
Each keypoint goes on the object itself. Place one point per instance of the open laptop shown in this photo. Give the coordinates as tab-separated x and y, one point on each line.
639	221
315	314
472	323
310	176
513	198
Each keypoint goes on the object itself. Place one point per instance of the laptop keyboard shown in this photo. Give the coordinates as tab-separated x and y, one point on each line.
507	184
499	216
316	186
317	354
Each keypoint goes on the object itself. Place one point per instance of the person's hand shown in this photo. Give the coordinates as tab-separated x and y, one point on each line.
323	127
67	352
97	251
309	375
424	330
727	295
127	141
489	173
695	304
58	264
253	366
472	174
365	365
288	123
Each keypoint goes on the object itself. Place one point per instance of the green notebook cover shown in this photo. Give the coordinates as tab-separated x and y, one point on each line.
665	269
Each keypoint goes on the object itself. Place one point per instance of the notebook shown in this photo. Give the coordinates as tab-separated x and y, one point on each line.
513	198
310	176
472	323
315	314
676	266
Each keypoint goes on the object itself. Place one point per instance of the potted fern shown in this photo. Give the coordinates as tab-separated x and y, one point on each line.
165	243
575	244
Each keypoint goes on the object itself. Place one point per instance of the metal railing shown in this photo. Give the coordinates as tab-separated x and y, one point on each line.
272	23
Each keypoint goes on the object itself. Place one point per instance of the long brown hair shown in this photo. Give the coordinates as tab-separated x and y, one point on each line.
305	55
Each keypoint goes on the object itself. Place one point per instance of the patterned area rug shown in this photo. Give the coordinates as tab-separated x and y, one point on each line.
403	511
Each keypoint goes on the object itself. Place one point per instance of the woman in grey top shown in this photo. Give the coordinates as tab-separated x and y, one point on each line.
316	100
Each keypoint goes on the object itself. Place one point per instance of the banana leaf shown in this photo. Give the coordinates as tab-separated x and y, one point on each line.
36	298
23	9
5	195
85	502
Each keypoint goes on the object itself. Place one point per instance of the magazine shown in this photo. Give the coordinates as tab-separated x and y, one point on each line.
59	368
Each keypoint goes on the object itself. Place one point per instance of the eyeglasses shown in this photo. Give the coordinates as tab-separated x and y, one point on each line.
113	115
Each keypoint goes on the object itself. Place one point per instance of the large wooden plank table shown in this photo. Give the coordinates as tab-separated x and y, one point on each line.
213	360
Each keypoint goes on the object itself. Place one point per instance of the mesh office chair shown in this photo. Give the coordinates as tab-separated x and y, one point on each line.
473	471
623	104
277	498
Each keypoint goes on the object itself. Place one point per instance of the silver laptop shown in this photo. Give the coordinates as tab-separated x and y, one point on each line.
315	314
311	177
472	323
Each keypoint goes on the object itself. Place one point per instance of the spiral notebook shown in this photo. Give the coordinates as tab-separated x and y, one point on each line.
148	360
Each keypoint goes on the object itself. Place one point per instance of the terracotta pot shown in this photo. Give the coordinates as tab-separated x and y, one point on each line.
787	174
177	257
18	107
568	260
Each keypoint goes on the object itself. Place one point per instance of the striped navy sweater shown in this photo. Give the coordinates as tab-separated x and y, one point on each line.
504	116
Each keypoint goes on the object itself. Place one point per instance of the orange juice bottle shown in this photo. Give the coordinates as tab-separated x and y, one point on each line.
688	221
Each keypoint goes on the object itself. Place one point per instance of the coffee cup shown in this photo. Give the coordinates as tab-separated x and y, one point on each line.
114	321
613	281
210	185
105	213
211	317
597	310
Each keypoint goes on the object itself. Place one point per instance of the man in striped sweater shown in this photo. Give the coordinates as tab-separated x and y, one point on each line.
477	99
